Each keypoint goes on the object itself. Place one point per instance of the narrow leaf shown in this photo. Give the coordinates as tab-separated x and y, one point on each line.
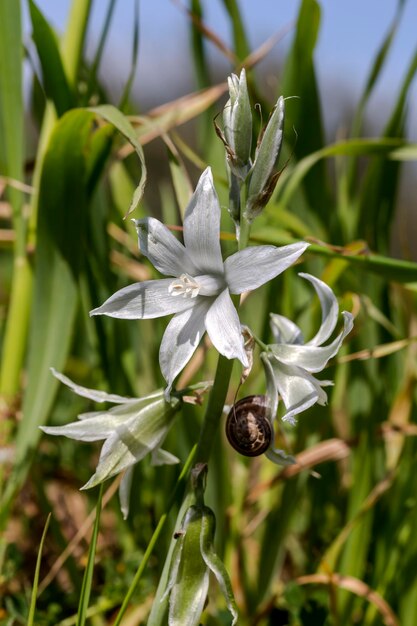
120	121
55	81
32	608
88	574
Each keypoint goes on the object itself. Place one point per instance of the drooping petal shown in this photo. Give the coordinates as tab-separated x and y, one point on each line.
143	301
279	457
202	227
127	409
163	457
252	267
134	439
92	429
181	338
312	358
92	394
223	327
285	331
162	248
298	390
271	386
124	492
329	310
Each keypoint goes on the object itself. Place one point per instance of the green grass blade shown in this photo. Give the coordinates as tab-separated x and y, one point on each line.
299	80
32	607
93	81
199	56
73	42
377	68
378	194
88	574
287	186
396	270
59	255
120	121
55	81
240	39
135	57
11	108
180	179
11	164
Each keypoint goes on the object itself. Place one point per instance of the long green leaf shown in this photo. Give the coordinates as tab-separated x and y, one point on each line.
59	258
395	270
11	101
377	66
120	121
303	112
55	81
239	36
88	574
351	147
11	164
32	607
378	194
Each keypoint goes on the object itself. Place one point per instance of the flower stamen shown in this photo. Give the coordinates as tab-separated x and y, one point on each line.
185	286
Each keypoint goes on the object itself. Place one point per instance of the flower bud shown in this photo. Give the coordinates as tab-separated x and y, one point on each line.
237	120
263	179
192	560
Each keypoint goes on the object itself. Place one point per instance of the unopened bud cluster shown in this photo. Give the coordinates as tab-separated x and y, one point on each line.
258	174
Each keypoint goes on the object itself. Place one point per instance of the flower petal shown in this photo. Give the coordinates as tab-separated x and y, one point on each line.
163	457
298	389
92	394
271	386
202	227
285	331
312	358
181	338
329	310
134	439
223	327
124	491
92	429
162	248
143	301
252	267
280	457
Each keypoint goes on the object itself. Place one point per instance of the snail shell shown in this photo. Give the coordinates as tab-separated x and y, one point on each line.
248	428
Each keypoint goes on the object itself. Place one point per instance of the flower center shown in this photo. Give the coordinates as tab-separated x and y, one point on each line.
185	286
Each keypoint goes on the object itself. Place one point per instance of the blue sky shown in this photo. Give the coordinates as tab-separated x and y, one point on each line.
350	35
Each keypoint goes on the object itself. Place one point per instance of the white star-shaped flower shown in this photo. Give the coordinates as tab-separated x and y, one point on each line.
132	429
198	292
290	362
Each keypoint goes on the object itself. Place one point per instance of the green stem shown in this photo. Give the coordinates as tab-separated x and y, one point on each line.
210	425
214	409
244	233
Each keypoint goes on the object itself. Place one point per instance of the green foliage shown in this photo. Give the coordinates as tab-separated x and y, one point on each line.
328	541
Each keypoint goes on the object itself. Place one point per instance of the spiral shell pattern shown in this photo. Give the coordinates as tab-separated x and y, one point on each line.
248	428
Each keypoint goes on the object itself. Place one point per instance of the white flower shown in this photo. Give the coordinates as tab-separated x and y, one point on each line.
132	429
290	363
198	292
